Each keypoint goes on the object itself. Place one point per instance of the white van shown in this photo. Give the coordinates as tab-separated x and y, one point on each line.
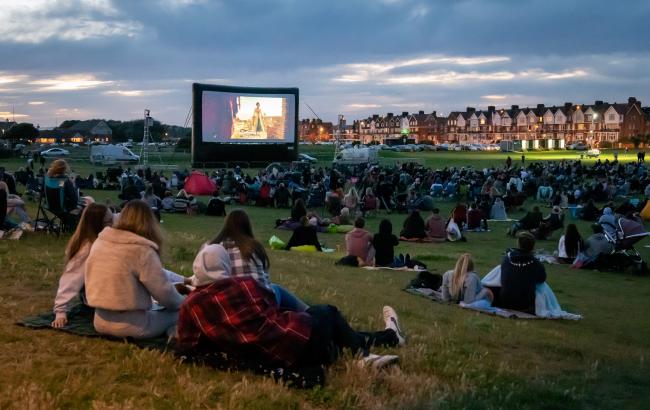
356	156
111	154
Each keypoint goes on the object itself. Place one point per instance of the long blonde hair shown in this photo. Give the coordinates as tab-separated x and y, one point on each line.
464	264
137	217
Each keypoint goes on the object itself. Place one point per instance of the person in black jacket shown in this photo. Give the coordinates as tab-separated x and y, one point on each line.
413	226
305	234
521	272
531	221
384	243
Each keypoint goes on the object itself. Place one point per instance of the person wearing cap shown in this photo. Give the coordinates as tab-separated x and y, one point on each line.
551	223
238	316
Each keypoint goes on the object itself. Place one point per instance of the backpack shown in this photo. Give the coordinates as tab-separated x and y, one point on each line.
426	279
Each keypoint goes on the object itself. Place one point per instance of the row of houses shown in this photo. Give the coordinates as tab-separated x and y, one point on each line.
95	131
594	124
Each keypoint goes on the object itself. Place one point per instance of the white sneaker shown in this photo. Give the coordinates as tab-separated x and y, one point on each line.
392	322
378	362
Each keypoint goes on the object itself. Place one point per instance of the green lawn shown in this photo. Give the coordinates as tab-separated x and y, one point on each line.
454	358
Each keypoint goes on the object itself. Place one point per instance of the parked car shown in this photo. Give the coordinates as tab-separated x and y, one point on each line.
307	158
55	152
593	153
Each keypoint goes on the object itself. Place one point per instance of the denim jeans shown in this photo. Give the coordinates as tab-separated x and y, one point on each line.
287	300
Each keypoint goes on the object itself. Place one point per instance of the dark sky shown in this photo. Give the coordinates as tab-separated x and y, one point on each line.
76	59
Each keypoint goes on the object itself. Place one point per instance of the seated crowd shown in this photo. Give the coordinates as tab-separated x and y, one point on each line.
231	305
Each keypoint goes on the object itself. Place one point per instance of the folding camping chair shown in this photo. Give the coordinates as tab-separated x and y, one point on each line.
52	215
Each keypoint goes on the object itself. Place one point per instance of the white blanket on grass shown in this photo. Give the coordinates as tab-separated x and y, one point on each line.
546	304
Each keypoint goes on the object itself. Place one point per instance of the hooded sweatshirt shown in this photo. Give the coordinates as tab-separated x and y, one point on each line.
123	272
358	242
520	273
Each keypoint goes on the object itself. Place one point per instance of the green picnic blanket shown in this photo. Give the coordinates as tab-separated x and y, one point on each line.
80	322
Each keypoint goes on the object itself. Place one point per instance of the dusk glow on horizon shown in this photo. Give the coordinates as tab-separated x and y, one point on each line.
82	59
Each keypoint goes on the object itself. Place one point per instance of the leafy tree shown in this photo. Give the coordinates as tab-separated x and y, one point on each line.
68	123
21	132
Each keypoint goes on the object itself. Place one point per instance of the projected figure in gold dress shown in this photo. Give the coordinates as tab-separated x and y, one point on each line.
258	119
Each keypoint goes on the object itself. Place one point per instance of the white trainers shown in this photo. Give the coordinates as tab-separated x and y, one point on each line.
392	322
378	362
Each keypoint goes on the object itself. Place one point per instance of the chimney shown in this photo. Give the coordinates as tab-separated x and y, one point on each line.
421	112
470	110
631	100
540	106
405	113
567	105
514	107
434	114
598	102
491	108
389	115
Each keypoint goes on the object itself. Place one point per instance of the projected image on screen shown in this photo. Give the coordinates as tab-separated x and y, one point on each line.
241	118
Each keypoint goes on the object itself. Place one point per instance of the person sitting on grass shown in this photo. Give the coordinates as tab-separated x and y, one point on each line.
413	227
369	202
93	220
498	210
530	221
124	272
248	257
238	316
459	214
463	284
167	202
570	244
595	246
384	243
358	244
476	220
550	224
436	227
520	273
343	218
305	234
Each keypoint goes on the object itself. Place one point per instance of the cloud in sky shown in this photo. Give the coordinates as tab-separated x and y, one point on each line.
116	57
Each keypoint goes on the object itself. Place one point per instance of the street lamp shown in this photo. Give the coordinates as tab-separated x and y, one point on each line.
591	131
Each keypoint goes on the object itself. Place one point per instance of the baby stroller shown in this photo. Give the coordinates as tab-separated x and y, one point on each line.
625	257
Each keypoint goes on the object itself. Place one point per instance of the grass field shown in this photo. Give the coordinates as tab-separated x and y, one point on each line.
453	359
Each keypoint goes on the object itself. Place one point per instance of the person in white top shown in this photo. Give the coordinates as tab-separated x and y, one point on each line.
93	220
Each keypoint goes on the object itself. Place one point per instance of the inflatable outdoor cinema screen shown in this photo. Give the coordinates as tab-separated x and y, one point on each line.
243	124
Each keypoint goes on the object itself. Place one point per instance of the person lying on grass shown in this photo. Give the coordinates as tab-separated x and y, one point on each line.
247	257
124	272
463	284
93	220
236	315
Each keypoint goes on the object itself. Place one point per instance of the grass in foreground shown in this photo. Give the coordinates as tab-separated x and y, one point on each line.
453	359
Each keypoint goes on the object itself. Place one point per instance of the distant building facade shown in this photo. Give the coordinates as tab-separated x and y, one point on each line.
82	132
597	124
313	130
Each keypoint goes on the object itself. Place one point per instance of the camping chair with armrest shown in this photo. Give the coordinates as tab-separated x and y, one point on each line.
52	215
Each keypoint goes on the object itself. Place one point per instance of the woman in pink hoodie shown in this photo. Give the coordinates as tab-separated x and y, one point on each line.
358	243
